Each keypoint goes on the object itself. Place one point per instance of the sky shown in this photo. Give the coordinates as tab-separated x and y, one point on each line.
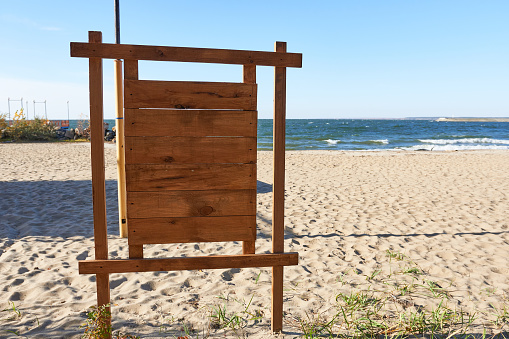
361	58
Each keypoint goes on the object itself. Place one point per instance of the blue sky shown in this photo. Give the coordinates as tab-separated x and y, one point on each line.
361	59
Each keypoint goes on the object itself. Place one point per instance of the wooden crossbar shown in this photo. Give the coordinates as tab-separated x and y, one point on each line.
192	263
185	54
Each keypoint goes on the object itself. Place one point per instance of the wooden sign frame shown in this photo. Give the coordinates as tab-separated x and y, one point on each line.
174	177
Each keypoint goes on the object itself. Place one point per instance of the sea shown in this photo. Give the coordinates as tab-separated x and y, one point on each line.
378	134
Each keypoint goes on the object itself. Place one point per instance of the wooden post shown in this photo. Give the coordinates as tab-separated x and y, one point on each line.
98	175
278	188
119	124
248	247
131	73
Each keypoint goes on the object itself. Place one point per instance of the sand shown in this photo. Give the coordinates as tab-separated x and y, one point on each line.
447	212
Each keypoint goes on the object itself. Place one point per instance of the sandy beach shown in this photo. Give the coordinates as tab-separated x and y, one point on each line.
444	214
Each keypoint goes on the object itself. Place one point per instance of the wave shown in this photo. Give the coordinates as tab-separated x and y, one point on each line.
383	142
332	142
370	142
454	147
465	141
355	142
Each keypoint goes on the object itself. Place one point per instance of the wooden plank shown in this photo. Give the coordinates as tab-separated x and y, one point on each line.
131	73
171	204
97	152
277	299
103	288
119	125
249	77
278	189
102	281
187	94
186	54
190	123
188	150
98	175
130	70
148	177
185	230
192	263
279	131
249	74
135	250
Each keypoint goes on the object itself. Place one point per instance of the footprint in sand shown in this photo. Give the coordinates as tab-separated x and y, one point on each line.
117	282
22	270
149	286
228	275
82	256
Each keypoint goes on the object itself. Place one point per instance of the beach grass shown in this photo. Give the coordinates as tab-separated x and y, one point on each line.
396	300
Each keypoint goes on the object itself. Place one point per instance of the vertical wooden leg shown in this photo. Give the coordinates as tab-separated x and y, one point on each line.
135	251
249	72
248	247
277	299
103	291
278	189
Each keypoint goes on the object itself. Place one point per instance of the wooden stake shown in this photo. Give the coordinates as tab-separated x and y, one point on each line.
97	151
278	189
98	175
119	124
248	247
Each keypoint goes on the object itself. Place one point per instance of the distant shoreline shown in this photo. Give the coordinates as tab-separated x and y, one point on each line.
475	119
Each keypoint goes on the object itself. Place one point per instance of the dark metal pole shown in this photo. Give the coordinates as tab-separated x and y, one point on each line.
117	22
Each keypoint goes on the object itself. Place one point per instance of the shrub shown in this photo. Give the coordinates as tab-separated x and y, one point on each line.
98	325
3	121
21	129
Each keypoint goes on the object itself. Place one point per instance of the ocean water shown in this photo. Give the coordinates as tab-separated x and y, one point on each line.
330	134
372	135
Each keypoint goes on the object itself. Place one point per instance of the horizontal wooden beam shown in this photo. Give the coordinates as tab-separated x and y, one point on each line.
176	177
188	94
195	229
185	54
191	263
189	123
190	150
173	204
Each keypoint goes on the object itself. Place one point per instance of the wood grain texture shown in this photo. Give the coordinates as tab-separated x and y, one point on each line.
171	204
119	125
130	70
188	150
148	177
279	132
135	251
192	263
131	73
277	299
97	152
249	77
102	281
189	54
189	123
278	189
186	94
196	229
249	74
103	288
